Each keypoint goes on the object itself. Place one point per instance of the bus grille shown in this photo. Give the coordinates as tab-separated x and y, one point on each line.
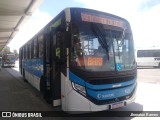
110	80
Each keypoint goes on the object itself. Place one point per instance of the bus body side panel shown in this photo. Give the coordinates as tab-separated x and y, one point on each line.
33	80
147	61
33	69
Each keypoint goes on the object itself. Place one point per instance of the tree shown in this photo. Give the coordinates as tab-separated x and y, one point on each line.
6	50
16	53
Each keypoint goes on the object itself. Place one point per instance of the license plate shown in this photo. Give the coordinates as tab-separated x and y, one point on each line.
117	105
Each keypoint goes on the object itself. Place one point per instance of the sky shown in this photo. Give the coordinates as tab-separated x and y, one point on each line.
143	16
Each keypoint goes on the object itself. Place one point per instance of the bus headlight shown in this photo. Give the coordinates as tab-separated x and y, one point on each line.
79	88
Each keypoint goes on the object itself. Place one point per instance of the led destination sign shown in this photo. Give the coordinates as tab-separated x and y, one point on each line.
90	61
95	61
96	19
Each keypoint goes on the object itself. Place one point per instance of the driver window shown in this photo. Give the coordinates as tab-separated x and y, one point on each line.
77	45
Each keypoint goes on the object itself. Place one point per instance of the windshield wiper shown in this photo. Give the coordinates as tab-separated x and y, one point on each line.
100	34
122	40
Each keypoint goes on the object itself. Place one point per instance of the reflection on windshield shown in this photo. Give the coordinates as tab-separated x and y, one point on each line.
96	48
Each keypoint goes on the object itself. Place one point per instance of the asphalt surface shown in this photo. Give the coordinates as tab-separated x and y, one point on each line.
16	95
149	75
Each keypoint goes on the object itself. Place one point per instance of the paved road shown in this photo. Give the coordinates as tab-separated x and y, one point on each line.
149	75
16	95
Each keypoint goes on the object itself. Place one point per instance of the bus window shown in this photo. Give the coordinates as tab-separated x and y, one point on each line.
156	53
23	53
88	52
32	49
35	48
26	51
47	48
29	51
40	41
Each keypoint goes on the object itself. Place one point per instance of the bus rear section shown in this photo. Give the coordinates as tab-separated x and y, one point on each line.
82	61
8	60
148	58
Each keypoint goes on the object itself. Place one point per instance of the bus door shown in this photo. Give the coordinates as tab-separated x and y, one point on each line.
46	85
55	59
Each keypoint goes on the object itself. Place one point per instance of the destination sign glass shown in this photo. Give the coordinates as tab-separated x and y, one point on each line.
102	20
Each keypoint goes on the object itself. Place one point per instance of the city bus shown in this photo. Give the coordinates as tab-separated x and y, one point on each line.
82	60
148	57
8	60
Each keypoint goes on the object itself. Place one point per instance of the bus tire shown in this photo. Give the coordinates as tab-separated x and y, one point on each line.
24	79
42	85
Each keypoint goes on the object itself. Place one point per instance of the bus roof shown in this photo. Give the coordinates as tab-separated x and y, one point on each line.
73	9
158	48
96	11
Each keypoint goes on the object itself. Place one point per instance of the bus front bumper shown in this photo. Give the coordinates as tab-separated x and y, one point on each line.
79	104
8	65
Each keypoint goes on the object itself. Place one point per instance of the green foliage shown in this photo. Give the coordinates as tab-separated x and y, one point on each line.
6	50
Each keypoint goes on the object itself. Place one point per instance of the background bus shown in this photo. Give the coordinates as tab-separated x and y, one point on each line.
8	60
83	60
148	57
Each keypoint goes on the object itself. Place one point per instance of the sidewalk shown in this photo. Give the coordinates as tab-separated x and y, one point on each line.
16	95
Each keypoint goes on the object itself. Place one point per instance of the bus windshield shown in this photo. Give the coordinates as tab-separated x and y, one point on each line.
97	47
9	58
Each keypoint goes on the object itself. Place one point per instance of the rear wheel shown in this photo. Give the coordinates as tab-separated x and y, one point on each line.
24	76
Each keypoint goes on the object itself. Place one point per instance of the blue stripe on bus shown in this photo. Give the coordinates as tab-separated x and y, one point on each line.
108	86
34	66
110	94
74	78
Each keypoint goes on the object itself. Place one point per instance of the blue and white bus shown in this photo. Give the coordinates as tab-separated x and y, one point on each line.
83	60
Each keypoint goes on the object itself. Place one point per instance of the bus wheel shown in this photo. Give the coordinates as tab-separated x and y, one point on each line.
42	86
24	76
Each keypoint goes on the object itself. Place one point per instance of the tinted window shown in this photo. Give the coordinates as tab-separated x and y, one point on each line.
40	42
148	53
35	49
